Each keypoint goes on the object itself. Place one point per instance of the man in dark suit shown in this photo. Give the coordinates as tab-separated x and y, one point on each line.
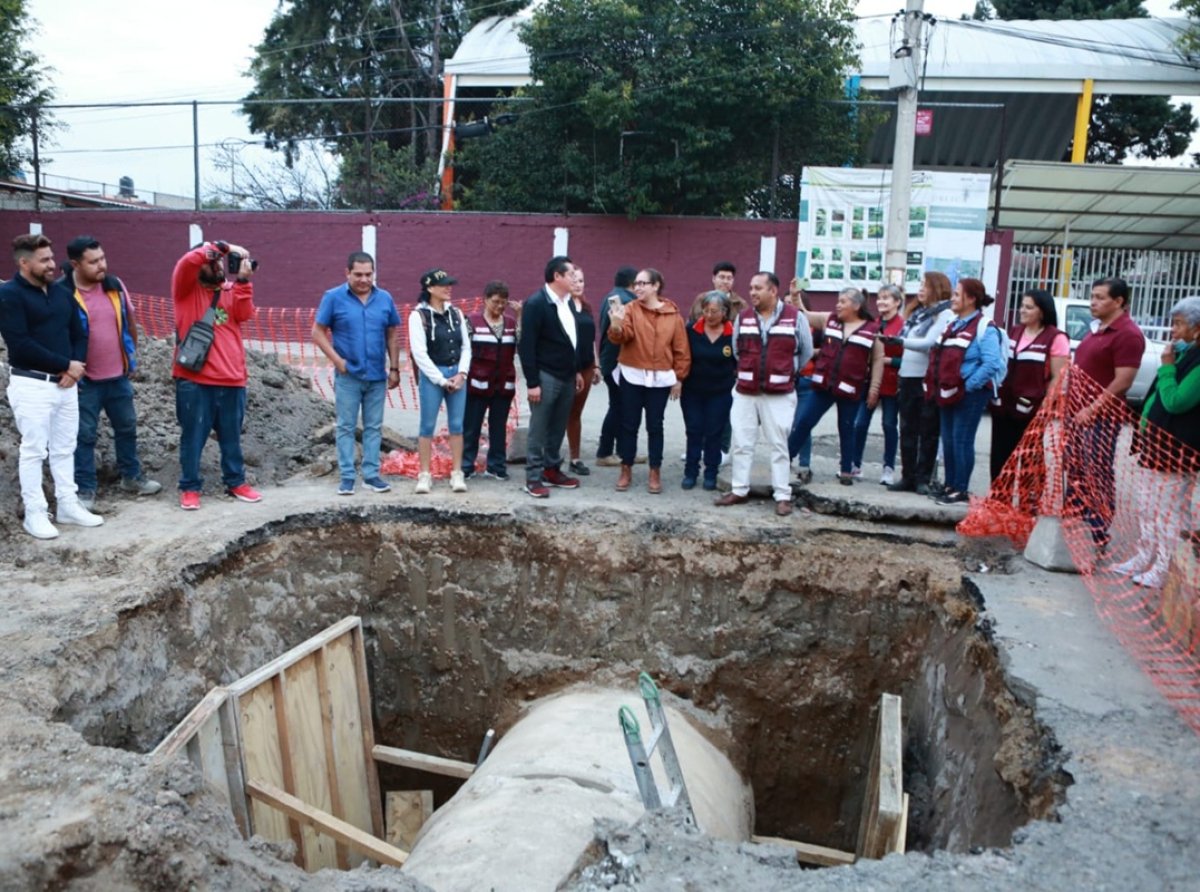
550	363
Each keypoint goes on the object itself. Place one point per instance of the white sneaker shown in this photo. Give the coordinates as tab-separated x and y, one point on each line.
856	471
888	477
73	512
458	481
38	525
1139	561
1154	577
424	483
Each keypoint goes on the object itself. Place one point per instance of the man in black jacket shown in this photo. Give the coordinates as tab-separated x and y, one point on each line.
609	351
550	363
47	349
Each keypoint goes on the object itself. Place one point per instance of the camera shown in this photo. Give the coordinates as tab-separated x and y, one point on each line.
234	263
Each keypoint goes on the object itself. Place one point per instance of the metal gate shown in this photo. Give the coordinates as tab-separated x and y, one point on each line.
1157	279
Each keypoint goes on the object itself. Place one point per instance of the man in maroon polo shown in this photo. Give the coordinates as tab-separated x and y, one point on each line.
1110	355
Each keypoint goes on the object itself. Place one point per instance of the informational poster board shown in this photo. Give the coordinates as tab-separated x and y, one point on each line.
843	226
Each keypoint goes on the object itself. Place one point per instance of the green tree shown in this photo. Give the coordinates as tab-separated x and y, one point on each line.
22	86
669	106
359	49
1121	126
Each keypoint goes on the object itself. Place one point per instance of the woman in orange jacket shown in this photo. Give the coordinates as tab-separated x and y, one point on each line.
654	360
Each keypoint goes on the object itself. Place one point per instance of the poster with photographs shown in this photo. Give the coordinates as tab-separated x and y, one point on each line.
842	234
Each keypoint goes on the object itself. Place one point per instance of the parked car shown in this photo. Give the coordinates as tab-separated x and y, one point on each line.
1075	317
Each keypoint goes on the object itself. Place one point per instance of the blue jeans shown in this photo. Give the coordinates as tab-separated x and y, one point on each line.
705	417
431	396
351	395
891	430
819	402
115	397
547	426
959	424
635	399
797	448
201	409
496	408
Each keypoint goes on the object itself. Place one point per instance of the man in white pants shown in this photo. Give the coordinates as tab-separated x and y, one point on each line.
47	347
771	346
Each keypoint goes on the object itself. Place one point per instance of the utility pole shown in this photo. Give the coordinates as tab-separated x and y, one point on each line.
903	76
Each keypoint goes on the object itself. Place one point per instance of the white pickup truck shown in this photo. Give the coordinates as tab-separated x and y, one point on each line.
1075	318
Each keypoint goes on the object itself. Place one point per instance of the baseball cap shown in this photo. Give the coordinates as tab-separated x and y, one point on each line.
435	277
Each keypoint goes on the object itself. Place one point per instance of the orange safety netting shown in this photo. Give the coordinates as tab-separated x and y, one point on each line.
1125	493
286	333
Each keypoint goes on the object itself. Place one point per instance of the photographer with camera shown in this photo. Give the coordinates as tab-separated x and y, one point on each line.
210	363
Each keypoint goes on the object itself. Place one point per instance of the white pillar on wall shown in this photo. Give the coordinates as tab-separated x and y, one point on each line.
766	254
195	234
562	238
35	228
370	234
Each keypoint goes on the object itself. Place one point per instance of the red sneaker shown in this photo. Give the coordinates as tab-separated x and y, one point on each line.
555	477
245	493
189	500
537	490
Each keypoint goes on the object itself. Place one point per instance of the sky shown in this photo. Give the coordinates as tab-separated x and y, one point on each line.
149	51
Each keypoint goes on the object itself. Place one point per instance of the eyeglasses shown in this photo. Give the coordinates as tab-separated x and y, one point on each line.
640	282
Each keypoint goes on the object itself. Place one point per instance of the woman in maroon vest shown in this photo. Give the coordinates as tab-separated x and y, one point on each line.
885	385
1038	352
842	371
491	381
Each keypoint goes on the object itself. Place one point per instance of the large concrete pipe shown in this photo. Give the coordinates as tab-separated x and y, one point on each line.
521	821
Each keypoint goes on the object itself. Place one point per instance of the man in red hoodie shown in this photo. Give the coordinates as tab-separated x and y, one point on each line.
213	398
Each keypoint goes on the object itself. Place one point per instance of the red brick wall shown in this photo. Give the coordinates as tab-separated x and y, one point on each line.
304	253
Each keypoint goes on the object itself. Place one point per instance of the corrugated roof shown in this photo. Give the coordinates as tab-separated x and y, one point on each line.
1137	56
1101	205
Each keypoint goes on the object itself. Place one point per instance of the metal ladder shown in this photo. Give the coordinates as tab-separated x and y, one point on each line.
660	739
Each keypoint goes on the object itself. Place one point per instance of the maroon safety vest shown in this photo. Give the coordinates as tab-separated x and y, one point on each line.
844	364
943	378
1024	385
492	370
891	373
772	370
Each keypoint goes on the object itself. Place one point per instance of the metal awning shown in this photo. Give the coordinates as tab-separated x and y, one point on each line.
1100	205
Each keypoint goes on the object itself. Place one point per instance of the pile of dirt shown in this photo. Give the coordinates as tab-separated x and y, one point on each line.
286	430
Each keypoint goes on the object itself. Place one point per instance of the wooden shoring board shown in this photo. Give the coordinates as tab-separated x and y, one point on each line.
317	746
327	824
406	812
421	762
807	853
883	804
208	737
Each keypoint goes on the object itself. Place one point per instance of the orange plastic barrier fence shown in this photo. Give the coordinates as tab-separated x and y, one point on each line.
286	332
1125	492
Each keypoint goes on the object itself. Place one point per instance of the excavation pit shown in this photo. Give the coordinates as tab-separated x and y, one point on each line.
789	643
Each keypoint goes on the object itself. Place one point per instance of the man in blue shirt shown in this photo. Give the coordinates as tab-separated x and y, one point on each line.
358	328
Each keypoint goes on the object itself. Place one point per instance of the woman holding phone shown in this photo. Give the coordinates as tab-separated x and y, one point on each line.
653	363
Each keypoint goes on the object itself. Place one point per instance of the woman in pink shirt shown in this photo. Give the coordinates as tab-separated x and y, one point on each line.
1038	352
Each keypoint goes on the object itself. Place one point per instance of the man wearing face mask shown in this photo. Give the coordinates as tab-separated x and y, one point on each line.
214	398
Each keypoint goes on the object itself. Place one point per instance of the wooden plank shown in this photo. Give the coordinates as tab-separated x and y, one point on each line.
883	803
320	663
807	853
186	729
287	768
407	812
352	767
260	748
299	652
367	728
433	764
231	743
212	757
305	742
327	824
897	842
